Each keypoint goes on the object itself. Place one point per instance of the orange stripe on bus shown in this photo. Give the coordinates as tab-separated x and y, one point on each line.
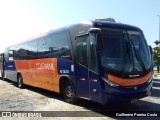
129	82
42	73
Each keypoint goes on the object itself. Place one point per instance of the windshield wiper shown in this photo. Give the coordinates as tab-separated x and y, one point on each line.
131	57
129	52
138	57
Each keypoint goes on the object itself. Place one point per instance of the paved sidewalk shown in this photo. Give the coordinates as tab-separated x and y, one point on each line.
156	77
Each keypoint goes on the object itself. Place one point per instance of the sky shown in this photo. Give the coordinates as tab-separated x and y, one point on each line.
22	19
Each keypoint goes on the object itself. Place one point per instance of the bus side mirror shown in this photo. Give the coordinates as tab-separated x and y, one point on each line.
99	40
150	48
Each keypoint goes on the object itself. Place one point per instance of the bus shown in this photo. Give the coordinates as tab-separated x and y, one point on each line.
104	62
1	65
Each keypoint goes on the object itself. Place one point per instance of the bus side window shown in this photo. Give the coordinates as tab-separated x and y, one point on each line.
11	55
32	49
23	53
16	54
0	58
92	54
60	45
42	47
6	54
45	47
81	50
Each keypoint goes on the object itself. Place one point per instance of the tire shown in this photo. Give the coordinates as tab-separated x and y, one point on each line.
69	94
20	81
3	76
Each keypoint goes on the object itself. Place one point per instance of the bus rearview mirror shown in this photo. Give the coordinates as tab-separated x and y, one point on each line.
150	48
98	34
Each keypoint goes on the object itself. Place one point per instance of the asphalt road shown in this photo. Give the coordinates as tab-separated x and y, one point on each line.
35	99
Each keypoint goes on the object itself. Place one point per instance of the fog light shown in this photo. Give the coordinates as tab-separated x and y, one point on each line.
150	79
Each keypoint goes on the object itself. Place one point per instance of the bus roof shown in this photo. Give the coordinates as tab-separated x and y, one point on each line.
102	24
114	25
96	23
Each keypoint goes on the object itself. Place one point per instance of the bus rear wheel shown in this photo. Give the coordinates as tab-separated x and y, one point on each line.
68	93
20	81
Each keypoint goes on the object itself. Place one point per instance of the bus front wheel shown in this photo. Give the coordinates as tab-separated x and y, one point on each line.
68	93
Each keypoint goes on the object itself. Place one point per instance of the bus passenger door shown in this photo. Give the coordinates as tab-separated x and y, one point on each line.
94	77
87	74
82	67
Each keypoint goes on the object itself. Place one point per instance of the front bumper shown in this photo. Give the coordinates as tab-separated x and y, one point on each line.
119	95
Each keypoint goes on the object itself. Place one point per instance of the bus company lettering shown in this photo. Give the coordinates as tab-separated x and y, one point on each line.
45	66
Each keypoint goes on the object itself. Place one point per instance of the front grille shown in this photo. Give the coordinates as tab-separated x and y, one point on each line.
136	87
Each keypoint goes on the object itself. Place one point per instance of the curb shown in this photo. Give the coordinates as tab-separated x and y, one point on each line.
156	77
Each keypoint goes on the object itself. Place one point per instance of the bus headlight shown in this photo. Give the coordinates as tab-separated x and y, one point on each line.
150	79
110	82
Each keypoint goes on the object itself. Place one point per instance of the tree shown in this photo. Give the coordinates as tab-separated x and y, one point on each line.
156	54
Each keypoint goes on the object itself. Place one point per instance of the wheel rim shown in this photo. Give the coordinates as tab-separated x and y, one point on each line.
20	82
69	92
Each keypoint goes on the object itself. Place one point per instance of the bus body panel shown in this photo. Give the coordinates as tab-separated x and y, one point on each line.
131	81
40	73
83	82
126	95
10	71
66	68
96	87
1	65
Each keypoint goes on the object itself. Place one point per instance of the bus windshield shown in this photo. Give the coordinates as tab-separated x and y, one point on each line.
125	52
